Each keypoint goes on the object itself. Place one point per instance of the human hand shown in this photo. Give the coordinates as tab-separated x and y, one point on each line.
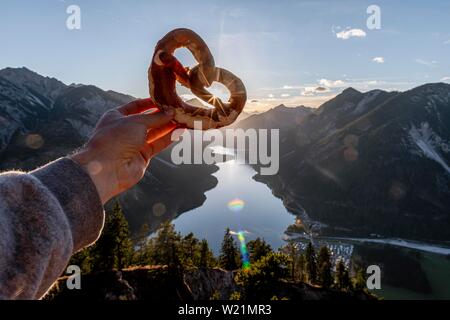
122	145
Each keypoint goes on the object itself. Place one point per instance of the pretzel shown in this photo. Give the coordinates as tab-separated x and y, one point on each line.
165	70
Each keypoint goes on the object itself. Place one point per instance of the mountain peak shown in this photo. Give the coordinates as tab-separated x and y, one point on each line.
23	72
292	110
280	106
348	95
351	90
24	76
15	73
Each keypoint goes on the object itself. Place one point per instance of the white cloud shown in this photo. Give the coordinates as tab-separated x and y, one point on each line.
332	83
310	94
378	59
425	62
264	104
445	79
289	87
335	29
359	84
270	95
350	33
308	91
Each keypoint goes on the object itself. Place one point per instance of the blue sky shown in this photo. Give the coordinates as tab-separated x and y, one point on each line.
283	50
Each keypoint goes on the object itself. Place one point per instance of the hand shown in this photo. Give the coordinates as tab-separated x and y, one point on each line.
122	145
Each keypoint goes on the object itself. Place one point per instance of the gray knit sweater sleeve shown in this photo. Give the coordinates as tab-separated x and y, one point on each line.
45	216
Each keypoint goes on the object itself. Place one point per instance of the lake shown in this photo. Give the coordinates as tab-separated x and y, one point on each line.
409	270
240	203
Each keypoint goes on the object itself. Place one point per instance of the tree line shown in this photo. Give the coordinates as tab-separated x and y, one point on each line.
116	249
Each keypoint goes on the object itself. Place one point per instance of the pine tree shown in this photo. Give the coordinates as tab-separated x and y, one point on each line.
189	250
229	254
123	243
310	263
262	279
258	248
114	248
167	246
300	273
342	279
206	255
293	253
83	259
324	277
359	282
143	246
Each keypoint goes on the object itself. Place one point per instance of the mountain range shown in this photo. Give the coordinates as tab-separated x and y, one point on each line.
42	119
362	164
369	164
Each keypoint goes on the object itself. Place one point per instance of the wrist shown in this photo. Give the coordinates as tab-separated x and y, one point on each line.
98	172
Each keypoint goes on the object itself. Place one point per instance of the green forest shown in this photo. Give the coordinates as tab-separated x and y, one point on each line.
259	277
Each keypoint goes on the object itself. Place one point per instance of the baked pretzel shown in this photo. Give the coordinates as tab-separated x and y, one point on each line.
165	70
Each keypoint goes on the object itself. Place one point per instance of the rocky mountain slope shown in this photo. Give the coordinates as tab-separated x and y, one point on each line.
374	163
158	283
279	117
42	119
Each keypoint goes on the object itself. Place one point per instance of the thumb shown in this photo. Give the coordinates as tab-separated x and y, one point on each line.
154	120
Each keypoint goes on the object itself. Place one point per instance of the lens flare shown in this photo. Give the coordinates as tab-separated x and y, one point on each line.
236	205
244	251
34	141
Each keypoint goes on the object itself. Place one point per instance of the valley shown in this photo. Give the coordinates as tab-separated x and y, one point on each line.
365	173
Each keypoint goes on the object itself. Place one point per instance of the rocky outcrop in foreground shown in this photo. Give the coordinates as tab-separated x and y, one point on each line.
160	283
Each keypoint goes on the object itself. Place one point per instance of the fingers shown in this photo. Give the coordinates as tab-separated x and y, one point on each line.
136	106
151	121
162	143
157	133
152	149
